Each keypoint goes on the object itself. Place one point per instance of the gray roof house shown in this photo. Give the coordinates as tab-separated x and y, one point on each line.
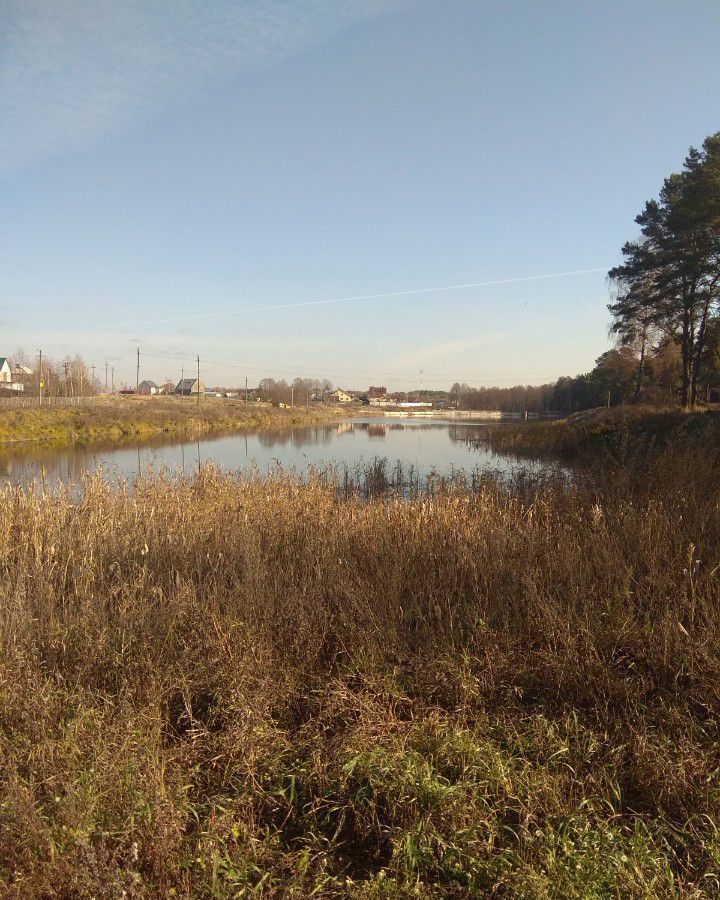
149	388
190	386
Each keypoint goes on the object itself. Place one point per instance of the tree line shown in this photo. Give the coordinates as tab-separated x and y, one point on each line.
300	391
668	286
664	307
70	376
612	380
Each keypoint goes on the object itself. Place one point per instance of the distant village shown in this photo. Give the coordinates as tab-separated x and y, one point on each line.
74	378
24	377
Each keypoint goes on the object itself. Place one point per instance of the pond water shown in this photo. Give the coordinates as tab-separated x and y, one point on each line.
422	447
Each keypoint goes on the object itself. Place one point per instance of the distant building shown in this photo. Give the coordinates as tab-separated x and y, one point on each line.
149	389
7	380
341	396
190	387
376	393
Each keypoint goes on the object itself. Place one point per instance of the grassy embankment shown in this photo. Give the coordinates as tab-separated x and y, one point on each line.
234	689
114	419
611	431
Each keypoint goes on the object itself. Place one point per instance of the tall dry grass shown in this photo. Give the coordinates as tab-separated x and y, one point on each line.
227	688
609	431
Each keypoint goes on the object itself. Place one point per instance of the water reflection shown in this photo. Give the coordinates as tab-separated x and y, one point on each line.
422	446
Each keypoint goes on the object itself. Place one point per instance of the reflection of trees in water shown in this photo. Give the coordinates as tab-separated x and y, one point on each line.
6	465
295	437
270	439
466	434
23	465
376	431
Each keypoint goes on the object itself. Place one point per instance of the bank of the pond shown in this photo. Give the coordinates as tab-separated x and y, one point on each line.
226	687
600	431
138	419
380	456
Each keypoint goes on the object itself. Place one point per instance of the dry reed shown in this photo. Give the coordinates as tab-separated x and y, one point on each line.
232	688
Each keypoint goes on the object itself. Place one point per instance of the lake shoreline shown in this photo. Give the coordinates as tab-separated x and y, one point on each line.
131	421
382	455
595	433
123	421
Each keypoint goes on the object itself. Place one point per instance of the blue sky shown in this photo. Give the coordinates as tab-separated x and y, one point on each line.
165	166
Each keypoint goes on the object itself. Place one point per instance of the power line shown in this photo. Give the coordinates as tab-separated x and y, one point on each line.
267	366
315	371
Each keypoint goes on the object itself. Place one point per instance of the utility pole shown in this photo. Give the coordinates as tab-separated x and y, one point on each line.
137	373
106	374
246	390
40	379
198	380
92	383
112	371
182	381
292	395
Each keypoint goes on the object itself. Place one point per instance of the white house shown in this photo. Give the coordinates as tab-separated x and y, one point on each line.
341	397
7	379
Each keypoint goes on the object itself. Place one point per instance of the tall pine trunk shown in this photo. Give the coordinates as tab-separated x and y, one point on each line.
641	364
685	347
700	339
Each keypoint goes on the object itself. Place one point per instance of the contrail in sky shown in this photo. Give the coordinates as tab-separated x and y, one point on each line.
415	291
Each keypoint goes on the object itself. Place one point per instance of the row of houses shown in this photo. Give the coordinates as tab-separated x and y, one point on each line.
186	387
375	396
378	396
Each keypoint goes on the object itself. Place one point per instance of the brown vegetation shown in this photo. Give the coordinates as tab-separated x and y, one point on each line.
612	432
225	688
